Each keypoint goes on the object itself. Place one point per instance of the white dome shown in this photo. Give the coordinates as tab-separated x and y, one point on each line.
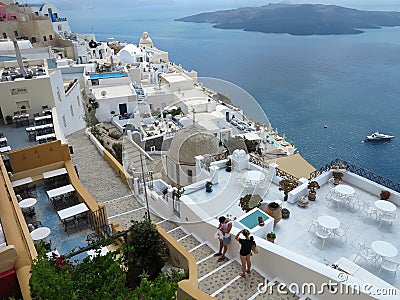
128	53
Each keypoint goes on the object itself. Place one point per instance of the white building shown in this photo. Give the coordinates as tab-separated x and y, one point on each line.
60	24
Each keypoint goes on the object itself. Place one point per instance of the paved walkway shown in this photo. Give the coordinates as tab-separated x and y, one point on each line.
219	279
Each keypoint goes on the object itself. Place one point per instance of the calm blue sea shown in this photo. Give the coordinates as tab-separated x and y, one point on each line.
348	82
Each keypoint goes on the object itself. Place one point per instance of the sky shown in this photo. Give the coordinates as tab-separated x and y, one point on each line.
205	5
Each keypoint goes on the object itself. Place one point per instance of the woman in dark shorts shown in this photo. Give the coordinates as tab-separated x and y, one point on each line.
245	251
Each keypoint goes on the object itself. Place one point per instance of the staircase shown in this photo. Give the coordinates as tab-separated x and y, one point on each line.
221	280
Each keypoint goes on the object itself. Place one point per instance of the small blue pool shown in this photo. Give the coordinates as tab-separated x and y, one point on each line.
251	221
107	75
275	142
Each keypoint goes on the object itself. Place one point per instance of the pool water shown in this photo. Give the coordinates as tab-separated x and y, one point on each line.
107	75
251	221
275	142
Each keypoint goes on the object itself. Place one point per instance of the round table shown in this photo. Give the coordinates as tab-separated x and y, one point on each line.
329	222
255	176
384	205
384	249
344	189
40	233
26	203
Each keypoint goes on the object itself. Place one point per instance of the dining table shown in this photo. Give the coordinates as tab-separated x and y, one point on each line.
329	222
385	206
27	203
40	233
384	249
22	181
60	191
344	190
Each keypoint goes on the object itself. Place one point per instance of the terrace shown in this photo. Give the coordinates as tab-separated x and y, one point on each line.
296	248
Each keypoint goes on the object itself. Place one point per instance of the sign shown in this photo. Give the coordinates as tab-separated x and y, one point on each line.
18	91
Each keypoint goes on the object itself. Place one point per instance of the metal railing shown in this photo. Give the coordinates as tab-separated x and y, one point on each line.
286	175
259	162
208	159
379	179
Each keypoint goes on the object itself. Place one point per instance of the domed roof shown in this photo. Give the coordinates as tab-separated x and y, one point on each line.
145	40
191	141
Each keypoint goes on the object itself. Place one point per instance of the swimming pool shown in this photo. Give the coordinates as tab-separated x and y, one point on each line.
251	220
275	142
106	75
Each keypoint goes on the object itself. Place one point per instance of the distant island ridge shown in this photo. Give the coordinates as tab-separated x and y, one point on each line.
298	19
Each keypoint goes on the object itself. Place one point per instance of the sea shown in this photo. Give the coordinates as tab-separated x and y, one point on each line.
349	84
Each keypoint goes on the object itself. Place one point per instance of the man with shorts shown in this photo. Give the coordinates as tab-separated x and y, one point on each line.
225	225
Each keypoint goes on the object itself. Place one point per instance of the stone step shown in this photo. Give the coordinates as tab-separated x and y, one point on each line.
189	242
242	288
216	278
177	233
202	252
168	225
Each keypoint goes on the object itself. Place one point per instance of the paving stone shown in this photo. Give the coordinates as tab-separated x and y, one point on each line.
216	280
168	225
189	242
242	288
202	252
177	234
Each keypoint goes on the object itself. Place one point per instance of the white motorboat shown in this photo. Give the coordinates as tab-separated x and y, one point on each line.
376	136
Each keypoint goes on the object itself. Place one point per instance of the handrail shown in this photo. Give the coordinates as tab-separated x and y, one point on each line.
286	175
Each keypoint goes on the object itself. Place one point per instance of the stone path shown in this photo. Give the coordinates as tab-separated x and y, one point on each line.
219	279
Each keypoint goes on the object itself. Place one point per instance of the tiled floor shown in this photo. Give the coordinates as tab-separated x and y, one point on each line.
60	240
293	233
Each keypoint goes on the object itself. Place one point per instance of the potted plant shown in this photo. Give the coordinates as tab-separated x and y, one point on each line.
249	202
9	119
179	191
312	187
286	185
260	221
228	165
209	187
337	177
385	195
271	236
275	211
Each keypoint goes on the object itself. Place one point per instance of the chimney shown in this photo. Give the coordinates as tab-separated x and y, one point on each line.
19	58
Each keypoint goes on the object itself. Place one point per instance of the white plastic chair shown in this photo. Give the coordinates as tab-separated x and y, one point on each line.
365	253
336	200
314	220
369	210
354	200
388	217
341	231
389	265
331	184
322	233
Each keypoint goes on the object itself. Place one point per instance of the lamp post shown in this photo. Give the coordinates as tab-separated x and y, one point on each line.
145	190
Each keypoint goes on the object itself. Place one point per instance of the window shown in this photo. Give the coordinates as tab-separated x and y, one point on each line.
78	100
64	121
72	110
59	28
16	33
44	38
50	37
24	103
33	40
4	35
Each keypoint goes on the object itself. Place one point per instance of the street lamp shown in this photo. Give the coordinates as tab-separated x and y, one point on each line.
145	190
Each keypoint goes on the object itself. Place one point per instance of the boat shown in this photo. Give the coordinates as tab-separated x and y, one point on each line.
376	136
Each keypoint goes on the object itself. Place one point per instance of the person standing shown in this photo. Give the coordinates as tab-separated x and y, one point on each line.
225	225
245	251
